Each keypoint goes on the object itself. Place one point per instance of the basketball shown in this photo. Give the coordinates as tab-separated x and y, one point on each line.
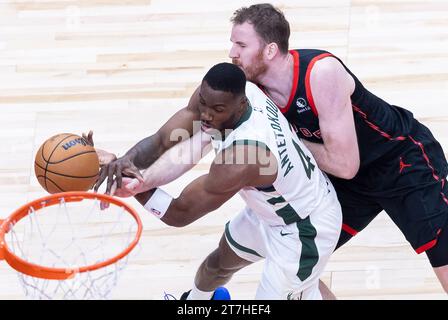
66	162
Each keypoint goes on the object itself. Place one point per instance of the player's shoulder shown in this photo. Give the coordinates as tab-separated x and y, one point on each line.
328	71
193	103
328	65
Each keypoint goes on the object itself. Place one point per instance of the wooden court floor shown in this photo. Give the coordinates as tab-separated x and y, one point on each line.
121	68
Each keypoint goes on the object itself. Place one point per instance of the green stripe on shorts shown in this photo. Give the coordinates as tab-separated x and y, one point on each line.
237	245
309	255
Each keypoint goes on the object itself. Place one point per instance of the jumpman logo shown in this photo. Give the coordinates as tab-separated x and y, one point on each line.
403	165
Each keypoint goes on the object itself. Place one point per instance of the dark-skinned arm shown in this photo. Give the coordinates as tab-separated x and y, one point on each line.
148	150
208	192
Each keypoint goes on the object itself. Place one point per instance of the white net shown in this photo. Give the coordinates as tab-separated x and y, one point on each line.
70	236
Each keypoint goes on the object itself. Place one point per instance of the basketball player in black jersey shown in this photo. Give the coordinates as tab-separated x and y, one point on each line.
377	155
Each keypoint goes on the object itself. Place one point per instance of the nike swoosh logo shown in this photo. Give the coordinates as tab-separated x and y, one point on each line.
284	234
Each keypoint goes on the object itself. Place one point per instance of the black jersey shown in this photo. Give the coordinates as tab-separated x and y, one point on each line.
403	168
380	126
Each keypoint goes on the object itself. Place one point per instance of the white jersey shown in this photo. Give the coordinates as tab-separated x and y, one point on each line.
300	186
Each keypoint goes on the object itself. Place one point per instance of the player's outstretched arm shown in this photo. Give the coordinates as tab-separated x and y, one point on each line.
170	166
180	126
199	198
207	193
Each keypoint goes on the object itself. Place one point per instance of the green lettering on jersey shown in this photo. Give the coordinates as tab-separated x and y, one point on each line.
289	168
285	161
306	160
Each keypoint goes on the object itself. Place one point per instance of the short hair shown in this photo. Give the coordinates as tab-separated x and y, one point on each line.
226	77
269	23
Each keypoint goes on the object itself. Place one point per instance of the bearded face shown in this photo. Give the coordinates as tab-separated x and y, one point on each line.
254	67
247	51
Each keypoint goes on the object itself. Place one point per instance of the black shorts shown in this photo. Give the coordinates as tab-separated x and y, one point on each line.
410	185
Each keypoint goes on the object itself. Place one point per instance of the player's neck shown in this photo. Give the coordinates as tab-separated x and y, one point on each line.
277	80
243	116
239	119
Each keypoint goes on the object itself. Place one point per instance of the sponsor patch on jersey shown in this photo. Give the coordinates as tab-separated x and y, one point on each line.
302	105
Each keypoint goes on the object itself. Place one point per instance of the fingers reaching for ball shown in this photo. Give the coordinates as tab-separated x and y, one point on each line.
89	138
114	172
69	162
104	157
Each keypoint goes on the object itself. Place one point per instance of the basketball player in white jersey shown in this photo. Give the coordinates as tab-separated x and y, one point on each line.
292	217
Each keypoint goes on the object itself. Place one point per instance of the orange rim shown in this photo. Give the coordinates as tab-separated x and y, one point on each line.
60	273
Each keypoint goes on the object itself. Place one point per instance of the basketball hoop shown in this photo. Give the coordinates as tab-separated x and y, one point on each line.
65	247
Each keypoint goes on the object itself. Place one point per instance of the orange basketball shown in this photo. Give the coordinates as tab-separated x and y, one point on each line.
65	162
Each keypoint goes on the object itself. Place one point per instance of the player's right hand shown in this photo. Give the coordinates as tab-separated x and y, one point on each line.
115	170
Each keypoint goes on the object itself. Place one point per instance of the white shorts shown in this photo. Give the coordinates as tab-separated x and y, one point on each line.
296	254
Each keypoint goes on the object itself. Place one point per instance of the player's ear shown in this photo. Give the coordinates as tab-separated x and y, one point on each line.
271	50
243	102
